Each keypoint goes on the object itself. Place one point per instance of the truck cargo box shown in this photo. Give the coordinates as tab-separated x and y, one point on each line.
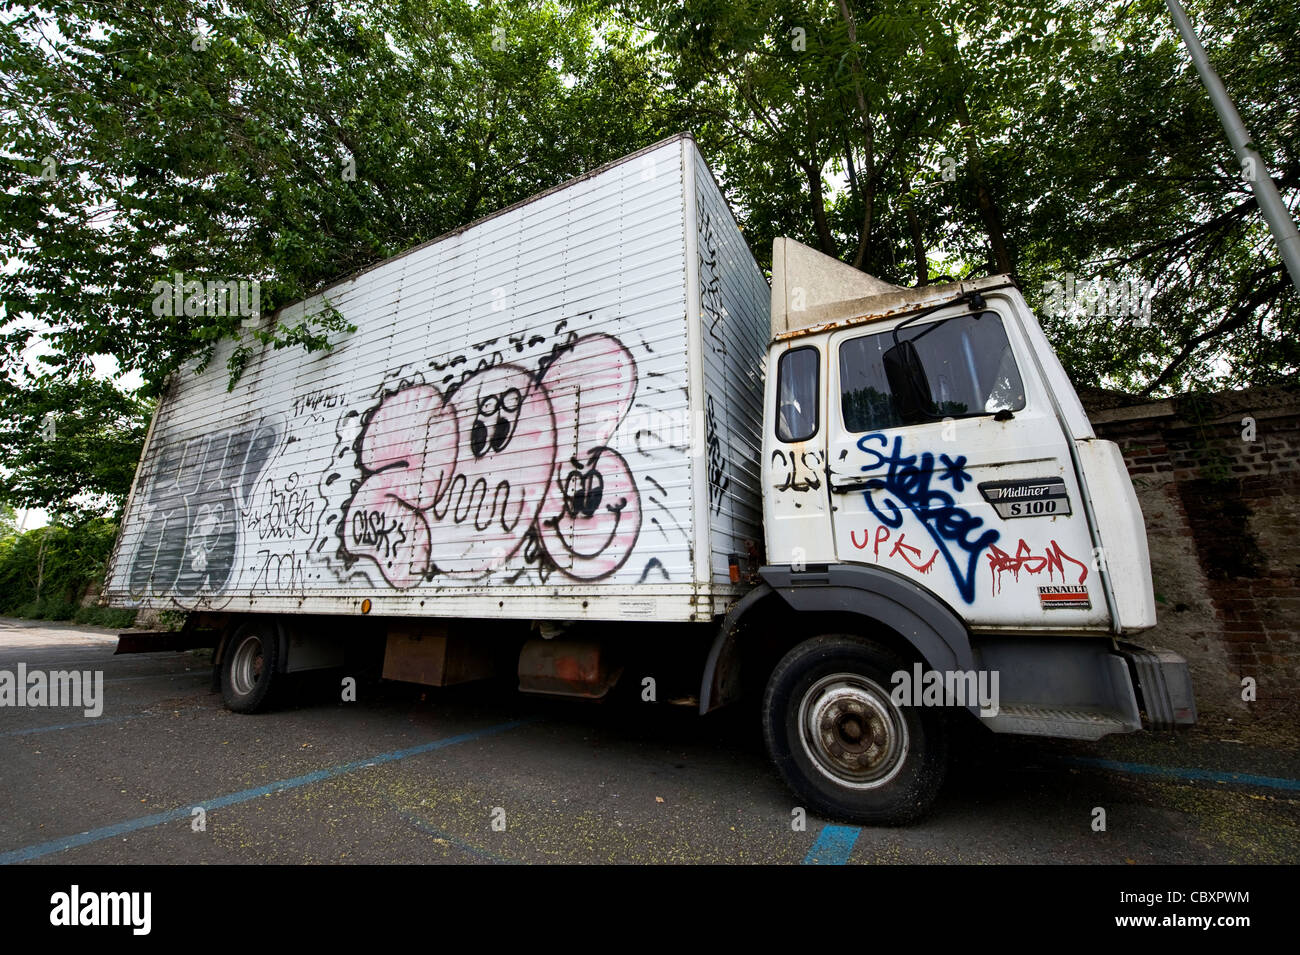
553	412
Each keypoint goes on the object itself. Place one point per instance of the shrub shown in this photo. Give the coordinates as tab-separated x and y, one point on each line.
44	572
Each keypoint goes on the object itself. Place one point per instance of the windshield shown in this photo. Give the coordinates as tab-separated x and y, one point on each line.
968	365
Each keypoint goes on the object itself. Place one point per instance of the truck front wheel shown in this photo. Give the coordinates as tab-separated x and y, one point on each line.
841	743
248	667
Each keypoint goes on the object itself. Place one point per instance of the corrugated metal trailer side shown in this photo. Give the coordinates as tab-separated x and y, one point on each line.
532	420
732	327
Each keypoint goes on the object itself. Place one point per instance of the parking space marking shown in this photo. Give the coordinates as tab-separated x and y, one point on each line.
89	722
421	826
160	676
28	853
84	724
36	662
833	846
1181	772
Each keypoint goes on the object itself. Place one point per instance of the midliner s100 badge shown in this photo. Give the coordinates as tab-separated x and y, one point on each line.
1034	497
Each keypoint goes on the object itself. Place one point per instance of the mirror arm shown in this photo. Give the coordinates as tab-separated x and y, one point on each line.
974	299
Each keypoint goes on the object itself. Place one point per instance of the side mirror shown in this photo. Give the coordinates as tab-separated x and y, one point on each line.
908	382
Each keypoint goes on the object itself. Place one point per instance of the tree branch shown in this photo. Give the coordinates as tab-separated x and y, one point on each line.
1238	317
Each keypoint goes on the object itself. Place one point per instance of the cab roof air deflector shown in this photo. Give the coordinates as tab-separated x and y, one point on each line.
813	292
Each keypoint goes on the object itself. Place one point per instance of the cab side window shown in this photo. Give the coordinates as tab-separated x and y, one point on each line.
796	395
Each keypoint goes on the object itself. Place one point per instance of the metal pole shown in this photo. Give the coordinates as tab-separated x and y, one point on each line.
1270	202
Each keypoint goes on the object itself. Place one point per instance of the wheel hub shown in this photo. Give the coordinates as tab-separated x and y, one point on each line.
851	731
246	668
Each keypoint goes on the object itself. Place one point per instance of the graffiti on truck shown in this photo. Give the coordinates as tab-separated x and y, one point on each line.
906	483
283	510
1052	559
911	555
797	470
495	463
718	480
710	274
190	511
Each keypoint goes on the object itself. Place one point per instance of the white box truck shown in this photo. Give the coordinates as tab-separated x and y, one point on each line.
582	439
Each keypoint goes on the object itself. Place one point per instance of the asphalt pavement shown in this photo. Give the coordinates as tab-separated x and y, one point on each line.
480	774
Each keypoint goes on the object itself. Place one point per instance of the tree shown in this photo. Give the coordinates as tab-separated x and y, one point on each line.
259	142
70	446
289	145
1129	178
1068	142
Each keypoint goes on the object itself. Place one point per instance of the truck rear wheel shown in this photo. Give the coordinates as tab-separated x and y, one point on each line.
841	743
248	667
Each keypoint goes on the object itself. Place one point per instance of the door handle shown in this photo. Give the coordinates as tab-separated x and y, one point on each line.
846	486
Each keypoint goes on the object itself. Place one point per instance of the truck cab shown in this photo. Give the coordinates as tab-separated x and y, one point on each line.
934	493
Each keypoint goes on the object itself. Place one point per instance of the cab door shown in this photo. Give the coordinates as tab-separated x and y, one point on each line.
796	505
948	465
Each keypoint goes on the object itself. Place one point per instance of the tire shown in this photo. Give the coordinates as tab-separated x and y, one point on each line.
886	772
248	667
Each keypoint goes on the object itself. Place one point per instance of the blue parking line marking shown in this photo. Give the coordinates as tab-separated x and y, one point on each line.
83	724
245	795
1180	772
833	846
196	675
420	825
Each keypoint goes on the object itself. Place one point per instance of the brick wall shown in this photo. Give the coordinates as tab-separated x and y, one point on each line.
1222	508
